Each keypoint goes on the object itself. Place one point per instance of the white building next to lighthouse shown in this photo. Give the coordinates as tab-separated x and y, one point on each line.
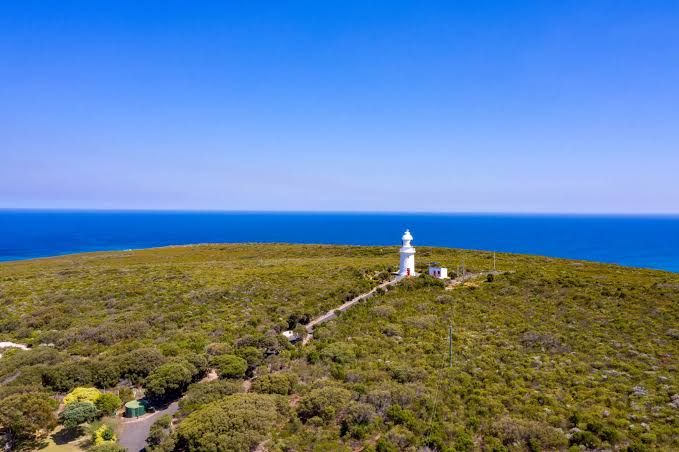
407	267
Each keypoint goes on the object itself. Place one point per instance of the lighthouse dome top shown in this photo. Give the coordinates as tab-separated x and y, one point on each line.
407	235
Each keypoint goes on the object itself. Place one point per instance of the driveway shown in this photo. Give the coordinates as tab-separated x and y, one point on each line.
133	432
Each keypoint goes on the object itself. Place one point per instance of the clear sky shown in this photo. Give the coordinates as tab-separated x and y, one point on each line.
491	106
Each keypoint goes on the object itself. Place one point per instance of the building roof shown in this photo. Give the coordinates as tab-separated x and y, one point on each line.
134	404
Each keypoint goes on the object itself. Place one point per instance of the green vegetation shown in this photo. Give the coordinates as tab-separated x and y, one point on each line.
549	355
107	404
89	395
24	416
77	413
229	366
159	430
238	422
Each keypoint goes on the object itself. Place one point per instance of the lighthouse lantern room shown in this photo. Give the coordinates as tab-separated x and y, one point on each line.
407	267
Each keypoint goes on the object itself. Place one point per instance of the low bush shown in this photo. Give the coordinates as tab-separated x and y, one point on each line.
77	413
282	383
201	394
108	404
89	395
323	402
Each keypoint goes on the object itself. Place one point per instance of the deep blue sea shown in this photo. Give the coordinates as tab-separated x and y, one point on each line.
639	241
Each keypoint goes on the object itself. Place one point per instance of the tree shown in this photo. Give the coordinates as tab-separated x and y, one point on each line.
77	413
105	374
159	430
230	366
22	415
169	380
138	364
66	376
108	403
82	395
126	394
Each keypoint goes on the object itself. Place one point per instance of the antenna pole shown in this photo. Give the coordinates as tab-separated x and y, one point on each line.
450	345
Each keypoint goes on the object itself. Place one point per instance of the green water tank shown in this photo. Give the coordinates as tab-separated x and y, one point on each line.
135	408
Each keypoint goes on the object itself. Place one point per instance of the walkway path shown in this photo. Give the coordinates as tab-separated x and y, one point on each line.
333	313
12	345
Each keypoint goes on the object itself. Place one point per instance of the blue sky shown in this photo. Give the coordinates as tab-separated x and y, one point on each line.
479	106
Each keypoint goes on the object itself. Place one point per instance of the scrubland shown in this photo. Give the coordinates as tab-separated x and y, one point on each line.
550	354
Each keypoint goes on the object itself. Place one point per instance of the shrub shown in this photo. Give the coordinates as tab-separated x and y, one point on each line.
392	329
200	394
384	311
407	374
230	366
159	430
278	383
108	447
530	433
104	434
464	442
218	348
339	352
357	419
76	413
82	395
585	438
238	423
402	416
323	402
108	404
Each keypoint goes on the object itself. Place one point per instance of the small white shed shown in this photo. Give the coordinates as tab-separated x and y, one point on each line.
437	271
291	336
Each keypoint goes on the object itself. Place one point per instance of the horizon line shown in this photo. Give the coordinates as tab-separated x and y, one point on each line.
326	212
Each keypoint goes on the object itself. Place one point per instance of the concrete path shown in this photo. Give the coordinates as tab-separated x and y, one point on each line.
12	345
133	432
332	314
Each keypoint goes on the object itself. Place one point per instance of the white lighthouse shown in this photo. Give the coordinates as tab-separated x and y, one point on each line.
407	255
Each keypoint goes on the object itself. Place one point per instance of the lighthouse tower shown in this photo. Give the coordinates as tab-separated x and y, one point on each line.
407	255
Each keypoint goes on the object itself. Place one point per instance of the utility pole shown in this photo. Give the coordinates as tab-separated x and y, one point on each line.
450	345
494	262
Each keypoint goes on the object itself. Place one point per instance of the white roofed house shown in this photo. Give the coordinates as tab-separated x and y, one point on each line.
437	271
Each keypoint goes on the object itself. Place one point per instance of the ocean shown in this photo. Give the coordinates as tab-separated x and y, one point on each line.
638	241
